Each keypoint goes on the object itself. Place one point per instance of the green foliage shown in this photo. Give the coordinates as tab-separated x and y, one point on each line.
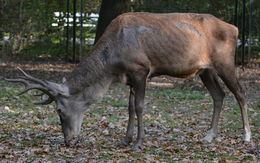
28	23
44	49
222	8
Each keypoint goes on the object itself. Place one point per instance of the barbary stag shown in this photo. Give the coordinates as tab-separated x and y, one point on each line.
138	46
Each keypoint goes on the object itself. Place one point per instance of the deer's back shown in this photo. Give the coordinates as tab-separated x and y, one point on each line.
173	44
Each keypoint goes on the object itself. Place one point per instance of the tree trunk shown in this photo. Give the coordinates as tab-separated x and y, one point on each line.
109	10
17	36
1	16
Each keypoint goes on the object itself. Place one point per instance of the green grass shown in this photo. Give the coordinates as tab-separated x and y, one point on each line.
183	95
114	119
105	157
119	103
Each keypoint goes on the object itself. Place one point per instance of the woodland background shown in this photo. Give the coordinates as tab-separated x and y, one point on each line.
40	29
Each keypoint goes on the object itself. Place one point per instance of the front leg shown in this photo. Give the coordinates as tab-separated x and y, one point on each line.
139	89
130	126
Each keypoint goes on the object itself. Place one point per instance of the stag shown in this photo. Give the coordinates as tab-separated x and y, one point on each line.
138	46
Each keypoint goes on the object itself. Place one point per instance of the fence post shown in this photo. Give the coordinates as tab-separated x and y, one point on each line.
250	29
81	29
67	29
236	24
74	31
243	31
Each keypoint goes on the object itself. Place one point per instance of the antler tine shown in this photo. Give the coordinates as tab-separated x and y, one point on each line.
36	87
33	78
30	83
26	84
44	102
49	100
19	80
23	92
30	86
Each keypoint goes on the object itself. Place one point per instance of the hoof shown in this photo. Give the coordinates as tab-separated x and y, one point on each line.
75	141
247	137
124	143
137	146
207	139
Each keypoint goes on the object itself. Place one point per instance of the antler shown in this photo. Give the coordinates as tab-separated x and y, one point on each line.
31	83
39	81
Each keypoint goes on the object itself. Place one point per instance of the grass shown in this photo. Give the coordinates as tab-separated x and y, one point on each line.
183	95
175	120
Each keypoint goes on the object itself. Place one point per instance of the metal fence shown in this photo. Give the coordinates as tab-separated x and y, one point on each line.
65	30
45	30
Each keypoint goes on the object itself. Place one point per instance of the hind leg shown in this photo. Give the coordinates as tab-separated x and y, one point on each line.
209	79
227	74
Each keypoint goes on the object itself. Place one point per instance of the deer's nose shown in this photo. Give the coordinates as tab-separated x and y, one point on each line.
67	143
71	142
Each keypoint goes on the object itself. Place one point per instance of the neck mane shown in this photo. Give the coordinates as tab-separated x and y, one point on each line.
91	70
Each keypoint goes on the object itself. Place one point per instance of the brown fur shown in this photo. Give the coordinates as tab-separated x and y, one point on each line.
156	43
137	46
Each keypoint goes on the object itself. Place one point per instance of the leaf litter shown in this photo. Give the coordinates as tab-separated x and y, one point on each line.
177	115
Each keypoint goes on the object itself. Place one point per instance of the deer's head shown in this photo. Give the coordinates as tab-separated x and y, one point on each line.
70	108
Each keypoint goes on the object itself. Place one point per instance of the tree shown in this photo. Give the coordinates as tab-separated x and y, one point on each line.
109	10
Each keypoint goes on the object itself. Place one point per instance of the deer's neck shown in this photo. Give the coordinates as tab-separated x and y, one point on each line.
93	72
96	91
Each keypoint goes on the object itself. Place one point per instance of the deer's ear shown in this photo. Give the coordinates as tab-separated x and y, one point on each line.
63	80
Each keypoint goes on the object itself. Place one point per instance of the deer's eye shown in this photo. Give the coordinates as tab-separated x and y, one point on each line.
59	110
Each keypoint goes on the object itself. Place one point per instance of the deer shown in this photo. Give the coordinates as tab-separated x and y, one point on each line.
136	47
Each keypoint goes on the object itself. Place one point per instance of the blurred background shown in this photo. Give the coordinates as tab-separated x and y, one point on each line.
65	30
